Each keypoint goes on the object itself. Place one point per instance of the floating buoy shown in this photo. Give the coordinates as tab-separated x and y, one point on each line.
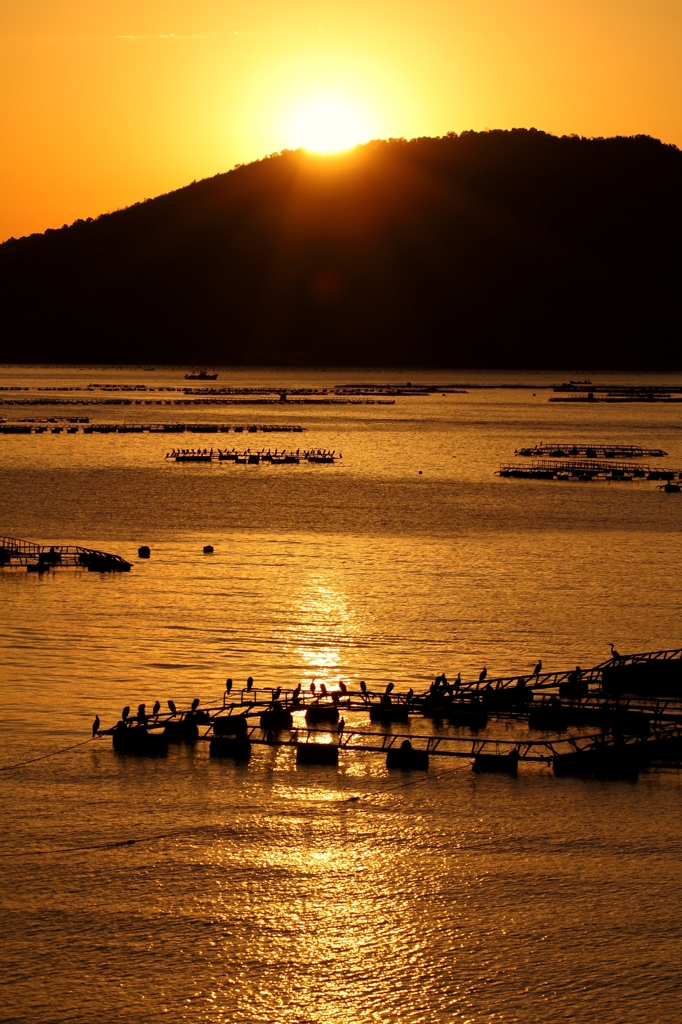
407	758
317	753
143	552
208	549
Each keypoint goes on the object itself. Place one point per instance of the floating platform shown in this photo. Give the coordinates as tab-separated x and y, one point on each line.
74	425
254	458
633	704
634	395
43	557
586	391
586	470
587	450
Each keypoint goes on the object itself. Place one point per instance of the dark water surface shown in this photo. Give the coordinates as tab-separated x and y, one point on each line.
260	893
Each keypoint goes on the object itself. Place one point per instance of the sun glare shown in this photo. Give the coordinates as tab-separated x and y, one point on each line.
328	123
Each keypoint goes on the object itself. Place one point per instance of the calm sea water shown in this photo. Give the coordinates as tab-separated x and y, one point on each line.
260	893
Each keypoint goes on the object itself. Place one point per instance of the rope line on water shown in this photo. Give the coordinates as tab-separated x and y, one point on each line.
53	753
214	828
192	830
114	844
400	785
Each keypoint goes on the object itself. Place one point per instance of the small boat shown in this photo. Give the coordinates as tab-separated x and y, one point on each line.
202	375
671	488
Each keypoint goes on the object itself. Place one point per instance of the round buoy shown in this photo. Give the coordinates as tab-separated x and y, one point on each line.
143	552
420	472
208	549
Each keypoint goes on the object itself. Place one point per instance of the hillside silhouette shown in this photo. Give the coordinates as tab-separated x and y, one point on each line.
495	249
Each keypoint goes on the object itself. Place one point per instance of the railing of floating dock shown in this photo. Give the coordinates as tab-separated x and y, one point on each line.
25	553
591	451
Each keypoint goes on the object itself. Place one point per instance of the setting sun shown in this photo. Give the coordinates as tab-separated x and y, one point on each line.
328	123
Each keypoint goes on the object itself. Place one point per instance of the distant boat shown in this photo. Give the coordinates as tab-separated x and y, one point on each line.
202	375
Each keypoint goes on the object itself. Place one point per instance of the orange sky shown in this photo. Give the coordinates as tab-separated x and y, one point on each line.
106	103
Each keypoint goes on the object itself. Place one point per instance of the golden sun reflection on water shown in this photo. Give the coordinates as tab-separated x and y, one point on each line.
332	624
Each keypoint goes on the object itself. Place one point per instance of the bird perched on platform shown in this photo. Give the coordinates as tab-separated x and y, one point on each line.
95	725
483	674
615	653
195	704
297	690
323	689
125	712
156	708
363	686
141	712
228	686
249	682
342	687
538	668
171	705
277	692
312	687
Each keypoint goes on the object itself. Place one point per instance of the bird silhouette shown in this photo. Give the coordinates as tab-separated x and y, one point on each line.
410	693
538	668
228	686
141	710
614	652
125	712
297	690
483	674
249	683
195	704
363	686
390	687
323	689
95	725
156	708
277	692
312	687
171	705
342	687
